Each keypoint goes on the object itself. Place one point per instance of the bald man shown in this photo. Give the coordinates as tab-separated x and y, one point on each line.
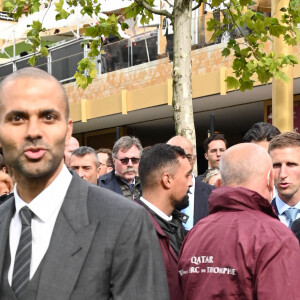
241	250
71	145
197	207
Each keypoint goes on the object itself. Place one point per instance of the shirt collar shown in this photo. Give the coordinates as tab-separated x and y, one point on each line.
50	199
282	206
156	210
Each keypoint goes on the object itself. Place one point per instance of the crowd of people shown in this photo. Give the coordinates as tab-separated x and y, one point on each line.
134	223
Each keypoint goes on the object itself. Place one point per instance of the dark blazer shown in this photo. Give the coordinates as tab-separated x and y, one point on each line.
110	182
296	228
275	206
102	247
202	192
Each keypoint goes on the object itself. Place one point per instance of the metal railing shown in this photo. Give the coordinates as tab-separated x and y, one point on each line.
63	59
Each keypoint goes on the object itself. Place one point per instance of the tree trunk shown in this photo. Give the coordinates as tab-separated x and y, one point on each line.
182	74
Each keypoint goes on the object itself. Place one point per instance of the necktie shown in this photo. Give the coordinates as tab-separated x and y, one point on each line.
23	255
291	215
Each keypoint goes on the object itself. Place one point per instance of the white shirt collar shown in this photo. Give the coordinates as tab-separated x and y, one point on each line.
156	210
282	206
47	202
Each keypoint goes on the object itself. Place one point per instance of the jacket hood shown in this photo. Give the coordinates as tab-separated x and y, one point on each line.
238	199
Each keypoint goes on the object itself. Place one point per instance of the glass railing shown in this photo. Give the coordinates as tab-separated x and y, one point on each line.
115	55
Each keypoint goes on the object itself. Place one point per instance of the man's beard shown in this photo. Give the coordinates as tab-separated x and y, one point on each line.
184	203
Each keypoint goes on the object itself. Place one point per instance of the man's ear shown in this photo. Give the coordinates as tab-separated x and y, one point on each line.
98	171
206	156
218	183
270	181
69	131
109	169
166	181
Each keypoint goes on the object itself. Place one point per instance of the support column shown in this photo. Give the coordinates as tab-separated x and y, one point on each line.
282	92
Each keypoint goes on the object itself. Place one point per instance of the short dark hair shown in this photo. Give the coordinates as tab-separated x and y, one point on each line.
285	140
84	150
214	137
109	161
158	158
261	131
126	142
35	73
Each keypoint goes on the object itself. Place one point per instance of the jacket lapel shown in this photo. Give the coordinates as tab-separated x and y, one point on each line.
70	242
6	213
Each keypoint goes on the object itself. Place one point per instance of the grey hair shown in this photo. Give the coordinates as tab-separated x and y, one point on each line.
126	142
84	150
34	73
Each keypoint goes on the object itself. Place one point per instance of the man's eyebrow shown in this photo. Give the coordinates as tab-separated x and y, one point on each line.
49	111
16	113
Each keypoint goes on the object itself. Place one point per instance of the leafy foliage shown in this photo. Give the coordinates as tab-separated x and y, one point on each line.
250	57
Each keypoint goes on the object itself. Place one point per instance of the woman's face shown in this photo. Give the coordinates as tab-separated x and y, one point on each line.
213	179
4	189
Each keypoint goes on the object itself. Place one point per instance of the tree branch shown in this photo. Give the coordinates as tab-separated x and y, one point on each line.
161	12
171	5
198	5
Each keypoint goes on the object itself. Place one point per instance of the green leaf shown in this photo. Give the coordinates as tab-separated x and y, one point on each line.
124	26
211	24
293	59
276	30
216	3
263	76
226	52
246	85
32	61
8	6
232	83
44	51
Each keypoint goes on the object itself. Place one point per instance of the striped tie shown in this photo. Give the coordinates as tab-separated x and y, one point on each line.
23	255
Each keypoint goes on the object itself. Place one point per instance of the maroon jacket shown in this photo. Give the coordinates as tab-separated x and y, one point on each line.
170	261
240	251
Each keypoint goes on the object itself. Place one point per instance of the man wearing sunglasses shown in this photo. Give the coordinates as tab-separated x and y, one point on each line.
124	179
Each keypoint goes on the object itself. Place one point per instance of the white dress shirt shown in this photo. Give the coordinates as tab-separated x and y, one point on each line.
282	207
45	207
156	210
190	209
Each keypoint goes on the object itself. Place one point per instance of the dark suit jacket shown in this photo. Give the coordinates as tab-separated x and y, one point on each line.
110	182
296	228
102	247
202	192
275	206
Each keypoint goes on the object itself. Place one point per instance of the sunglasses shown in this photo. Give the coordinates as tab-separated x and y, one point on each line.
125	161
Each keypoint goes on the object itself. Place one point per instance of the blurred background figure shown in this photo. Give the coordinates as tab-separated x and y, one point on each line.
105	160
212	176
261	133
124	179
6	187
84	161
214	147
72	145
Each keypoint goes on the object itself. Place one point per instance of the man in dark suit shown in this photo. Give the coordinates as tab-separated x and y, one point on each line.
296	228
197	207
61	237
124	178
